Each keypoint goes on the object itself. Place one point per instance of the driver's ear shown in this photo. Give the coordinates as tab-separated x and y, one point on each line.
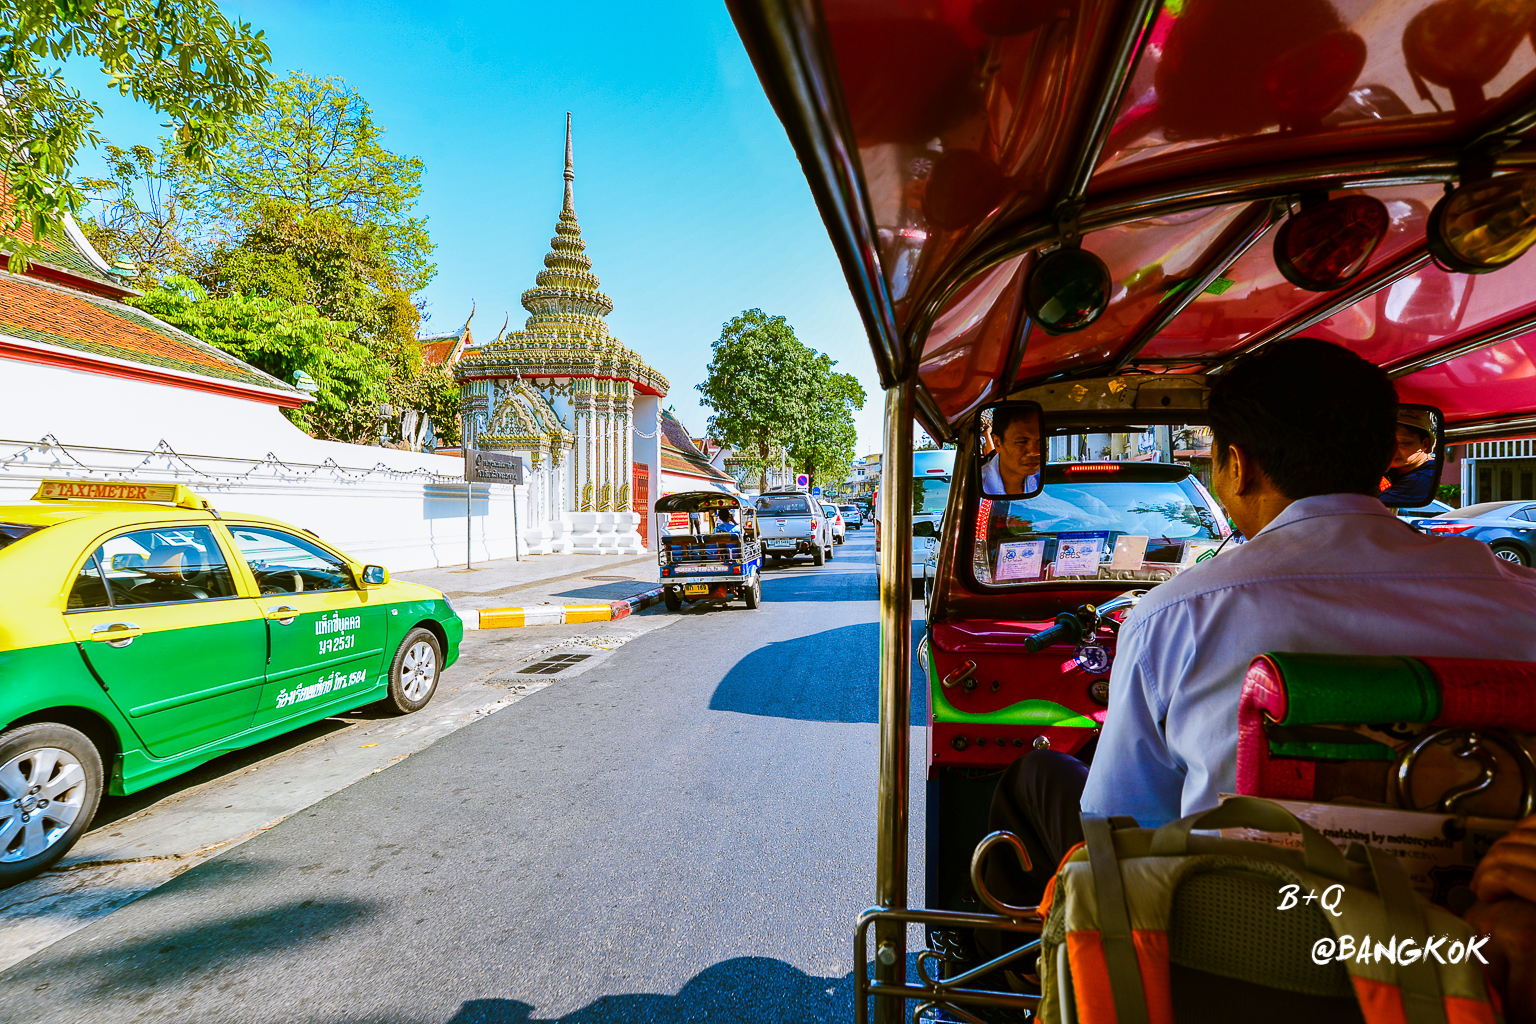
1243	470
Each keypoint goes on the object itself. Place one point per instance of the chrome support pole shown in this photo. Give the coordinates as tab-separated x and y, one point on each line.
1134	29
895	696
1463	346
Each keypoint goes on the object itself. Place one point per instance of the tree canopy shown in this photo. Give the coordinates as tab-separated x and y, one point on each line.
769	391
181	57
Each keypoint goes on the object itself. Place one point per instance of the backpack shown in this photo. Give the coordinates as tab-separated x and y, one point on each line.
1152	926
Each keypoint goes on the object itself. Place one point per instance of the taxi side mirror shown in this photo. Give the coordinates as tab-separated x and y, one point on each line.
375	575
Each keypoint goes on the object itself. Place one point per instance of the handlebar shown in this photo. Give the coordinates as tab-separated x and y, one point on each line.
1067	628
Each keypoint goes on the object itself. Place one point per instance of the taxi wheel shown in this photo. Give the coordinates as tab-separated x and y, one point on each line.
413	675
674	603
50	783
753	594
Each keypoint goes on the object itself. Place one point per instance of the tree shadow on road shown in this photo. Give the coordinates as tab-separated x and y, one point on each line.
748	988
829	676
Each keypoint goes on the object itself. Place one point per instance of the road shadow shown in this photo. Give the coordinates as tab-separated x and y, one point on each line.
822	677
155	958
748	988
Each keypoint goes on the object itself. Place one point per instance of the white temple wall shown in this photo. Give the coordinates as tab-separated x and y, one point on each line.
402	510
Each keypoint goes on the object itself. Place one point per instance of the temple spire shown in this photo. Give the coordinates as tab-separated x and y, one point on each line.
570	170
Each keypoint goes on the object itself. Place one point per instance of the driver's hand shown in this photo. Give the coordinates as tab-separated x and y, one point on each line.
1509	868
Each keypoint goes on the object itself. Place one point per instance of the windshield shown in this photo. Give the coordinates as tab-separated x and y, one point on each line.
1097	529
10	533
929	494
784	504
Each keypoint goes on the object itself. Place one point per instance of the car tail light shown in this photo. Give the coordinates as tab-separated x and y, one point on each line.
1092	469
1447	528
815	523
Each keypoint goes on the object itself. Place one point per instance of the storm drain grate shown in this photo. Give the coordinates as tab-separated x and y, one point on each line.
552	664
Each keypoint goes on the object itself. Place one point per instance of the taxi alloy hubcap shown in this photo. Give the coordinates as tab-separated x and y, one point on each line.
417	670
41	792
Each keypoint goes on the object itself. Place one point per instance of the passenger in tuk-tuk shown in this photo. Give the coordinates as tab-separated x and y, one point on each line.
1505	885
725	522
1303	430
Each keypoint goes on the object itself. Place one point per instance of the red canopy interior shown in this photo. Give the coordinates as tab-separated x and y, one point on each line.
947	141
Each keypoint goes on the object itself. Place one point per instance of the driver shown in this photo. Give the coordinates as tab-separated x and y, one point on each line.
1413	460
1303	430
1015	468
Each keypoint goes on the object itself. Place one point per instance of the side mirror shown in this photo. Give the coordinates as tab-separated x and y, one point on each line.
375	575
1414	475
924	528
1011	450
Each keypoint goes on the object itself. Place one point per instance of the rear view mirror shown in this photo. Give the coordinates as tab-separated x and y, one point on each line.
375	575
1414	475
1011	453
924	528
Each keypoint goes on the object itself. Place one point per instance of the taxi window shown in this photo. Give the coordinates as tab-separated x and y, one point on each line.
1138	530
10	533
180	563
90	590
286	564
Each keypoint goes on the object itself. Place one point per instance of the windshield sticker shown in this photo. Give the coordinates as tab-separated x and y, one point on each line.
321	687
1196	551
1077	554
1019	560
1130	552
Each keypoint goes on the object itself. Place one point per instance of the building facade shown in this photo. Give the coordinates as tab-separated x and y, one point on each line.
575	402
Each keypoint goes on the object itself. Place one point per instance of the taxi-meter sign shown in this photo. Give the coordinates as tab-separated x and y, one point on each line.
802	480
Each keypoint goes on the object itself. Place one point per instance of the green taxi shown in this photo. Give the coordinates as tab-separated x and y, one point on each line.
143	633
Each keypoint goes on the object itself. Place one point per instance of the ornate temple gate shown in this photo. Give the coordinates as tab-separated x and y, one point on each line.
642	492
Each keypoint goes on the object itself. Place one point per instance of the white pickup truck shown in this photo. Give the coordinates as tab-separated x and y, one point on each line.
793	526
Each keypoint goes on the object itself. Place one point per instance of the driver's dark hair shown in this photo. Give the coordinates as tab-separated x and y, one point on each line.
1005	416
1314	417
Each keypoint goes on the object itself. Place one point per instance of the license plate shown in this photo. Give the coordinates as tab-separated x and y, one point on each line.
781	544
696	588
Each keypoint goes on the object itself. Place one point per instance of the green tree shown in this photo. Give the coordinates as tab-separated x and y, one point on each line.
757	384
320	258
143	217
823	446
182	57
316	148
281	339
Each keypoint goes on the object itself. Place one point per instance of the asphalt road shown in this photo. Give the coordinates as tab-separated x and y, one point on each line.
682	833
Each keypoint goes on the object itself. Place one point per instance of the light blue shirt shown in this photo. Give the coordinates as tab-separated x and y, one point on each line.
992	478
1332	574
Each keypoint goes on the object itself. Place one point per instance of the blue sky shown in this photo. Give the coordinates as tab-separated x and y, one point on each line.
691	201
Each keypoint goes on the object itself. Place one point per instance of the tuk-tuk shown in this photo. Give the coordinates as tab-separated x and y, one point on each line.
718	557
1094	206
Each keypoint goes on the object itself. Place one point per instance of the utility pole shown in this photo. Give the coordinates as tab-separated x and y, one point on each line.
470	408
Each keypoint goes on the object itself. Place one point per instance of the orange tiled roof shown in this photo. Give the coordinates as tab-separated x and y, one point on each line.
436	353
107	328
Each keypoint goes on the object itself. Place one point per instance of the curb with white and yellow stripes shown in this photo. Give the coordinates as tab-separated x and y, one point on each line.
563	614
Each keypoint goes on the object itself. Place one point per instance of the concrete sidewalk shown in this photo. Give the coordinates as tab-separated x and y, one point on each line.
545	589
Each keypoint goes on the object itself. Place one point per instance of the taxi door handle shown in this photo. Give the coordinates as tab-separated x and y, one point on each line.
118	634
283	614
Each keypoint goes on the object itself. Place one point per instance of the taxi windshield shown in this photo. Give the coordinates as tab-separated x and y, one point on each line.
10	533
1119	521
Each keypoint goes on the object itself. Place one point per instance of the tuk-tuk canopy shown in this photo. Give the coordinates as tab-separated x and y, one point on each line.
948	143
700	501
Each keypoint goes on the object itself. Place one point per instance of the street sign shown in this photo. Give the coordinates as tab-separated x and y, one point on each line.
802	480
493	467
816	491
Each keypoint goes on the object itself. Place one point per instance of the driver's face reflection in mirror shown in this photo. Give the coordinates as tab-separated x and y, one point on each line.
1015	436
1413	448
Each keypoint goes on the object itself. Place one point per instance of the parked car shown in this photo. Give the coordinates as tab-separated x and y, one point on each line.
1509	527
1434	508
142	634
839	525
852	516
931	472
793	526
